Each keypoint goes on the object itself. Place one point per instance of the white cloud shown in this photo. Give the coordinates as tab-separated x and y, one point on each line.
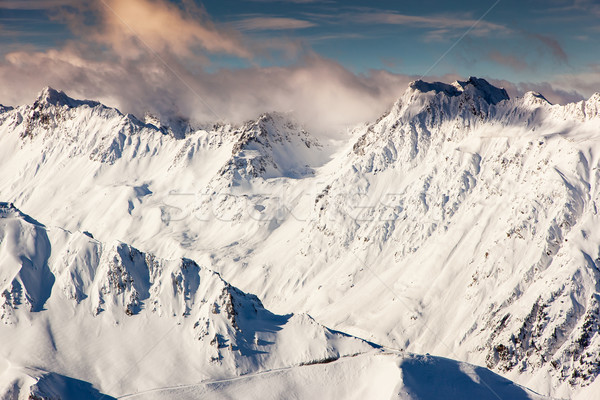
110	63
321	92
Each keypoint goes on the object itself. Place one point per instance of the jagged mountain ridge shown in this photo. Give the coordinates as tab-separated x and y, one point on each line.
87	136
447	162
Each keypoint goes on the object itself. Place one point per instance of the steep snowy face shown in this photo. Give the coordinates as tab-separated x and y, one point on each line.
57	283
57	122
272	146
478	211
82	320
24	251
271	159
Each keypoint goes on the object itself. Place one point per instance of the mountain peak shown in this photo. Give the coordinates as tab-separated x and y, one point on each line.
51	96
483	89
535	97
476	87
4	108
437	87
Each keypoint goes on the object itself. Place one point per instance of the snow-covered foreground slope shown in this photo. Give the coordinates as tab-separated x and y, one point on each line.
127	321
380	375
461	223
82	319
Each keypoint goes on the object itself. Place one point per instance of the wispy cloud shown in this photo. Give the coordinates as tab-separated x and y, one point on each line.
9	32
551	43
509	60
552	91
321	92
562	6
586	81
442	26
34	4
164	27
293	1
270	23
335	36
142	54
109	60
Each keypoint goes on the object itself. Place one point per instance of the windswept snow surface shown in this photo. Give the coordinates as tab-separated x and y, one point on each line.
462	223
380	375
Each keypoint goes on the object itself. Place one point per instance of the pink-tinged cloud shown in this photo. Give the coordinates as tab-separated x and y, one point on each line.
133	27
322	93
164	26
111	62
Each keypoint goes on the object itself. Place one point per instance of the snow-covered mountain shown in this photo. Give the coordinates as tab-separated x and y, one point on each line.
82	319
461	223
75	306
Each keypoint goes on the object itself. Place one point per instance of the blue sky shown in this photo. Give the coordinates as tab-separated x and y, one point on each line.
521	40
516	40
550	44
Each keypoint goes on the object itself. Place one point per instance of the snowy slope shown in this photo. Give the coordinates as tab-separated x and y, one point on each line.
382	375
461	223
93	312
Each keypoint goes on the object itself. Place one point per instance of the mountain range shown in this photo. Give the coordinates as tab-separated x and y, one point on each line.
460	224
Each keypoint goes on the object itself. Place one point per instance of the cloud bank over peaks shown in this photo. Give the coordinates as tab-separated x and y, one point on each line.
152	55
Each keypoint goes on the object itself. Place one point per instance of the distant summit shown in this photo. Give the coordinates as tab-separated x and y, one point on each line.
476	87
50	96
